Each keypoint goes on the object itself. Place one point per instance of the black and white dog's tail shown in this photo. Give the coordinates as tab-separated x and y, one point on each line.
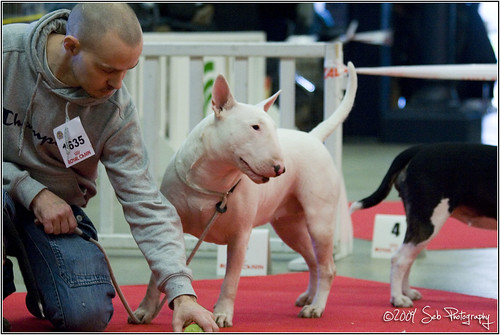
398	164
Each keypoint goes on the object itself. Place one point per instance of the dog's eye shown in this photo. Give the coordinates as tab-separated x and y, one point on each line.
256	127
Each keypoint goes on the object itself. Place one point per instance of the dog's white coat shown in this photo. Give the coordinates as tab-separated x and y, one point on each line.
240	142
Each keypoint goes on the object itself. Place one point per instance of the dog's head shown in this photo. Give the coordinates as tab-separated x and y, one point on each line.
246	135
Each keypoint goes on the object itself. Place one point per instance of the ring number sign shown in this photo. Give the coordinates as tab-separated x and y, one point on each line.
388	235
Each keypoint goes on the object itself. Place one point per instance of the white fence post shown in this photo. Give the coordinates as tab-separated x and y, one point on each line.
241	75
334	78
195	91
287	95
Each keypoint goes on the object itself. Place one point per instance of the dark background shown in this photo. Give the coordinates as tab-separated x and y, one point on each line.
423	33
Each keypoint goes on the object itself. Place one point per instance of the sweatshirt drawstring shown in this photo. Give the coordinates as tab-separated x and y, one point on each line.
20	143
66	131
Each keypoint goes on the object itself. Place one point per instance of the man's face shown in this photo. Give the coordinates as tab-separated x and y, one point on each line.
100	68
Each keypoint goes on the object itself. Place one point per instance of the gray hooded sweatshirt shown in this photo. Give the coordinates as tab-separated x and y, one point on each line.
35	102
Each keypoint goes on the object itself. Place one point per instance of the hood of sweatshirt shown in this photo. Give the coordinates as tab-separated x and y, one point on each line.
54	22
36	46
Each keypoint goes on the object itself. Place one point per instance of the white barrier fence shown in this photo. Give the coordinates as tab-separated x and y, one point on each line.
149	86
480	72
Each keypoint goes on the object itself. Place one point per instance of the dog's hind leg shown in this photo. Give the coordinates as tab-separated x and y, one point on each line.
293	231
315	243
401	293
417	237
321	227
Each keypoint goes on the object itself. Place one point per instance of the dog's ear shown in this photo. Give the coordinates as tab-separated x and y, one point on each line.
221	96
266	104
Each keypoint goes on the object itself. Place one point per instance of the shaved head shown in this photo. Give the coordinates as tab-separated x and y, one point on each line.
89	22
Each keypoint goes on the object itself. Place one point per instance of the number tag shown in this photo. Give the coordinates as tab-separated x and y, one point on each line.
388	235
73	142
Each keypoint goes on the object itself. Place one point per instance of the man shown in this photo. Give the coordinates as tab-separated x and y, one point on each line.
64	110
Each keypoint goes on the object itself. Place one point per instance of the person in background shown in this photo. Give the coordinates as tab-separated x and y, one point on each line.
65	109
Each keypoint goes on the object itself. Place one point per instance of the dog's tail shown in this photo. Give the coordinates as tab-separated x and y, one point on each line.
327	127
398	164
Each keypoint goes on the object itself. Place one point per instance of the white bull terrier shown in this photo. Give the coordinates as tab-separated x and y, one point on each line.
240	143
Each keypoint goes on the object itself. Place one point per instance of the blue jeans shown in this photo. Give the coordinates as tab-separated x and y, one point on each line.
71	274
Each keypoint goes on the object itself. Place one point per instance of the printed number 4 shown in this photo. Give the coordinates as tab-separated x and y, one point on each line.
395	229
75	143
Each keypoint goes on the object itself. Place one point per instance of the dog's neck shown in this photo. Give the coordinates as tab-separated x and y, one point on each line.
205	174
213	186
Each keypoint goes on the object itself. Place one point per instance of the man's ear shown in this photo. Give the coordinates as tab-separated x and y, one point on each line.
71	45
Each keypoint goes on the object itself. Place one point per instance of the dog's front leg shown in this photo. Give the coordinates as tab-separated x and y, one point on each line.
147	308
224	308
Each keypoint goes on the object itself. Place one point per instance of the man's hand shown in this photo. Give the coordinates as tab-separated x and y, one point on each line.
53	213
187	310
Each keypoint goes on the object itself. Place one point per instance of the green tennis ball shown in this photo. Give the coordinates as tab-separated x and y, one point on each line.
193	328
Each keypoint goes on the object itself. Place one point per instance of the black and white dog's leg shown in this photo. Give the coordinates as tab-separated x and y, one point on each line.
416	239
401	293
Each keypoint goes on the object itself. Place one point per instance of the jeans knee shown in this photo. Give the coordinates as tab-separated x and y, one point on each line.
88	321
85	315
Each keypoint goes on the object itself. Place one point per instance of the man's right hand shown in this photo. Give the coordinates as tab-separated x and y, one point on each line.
53	213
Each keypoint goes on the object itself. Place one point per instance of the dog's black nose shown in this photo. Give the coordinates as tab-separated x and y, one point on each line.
278	170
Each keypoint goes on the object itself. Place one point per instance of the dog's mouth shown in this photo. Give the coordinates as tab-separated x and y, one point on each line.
257	178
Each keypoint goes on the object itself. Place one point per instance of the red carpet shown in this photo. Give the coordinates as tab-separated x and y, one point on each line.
266	304
453	235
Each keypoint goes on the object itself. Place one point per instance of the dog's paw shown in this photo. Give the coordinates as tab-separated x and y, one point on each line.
311	311
401	301
143	315
413	294
223	312
303	300
223	320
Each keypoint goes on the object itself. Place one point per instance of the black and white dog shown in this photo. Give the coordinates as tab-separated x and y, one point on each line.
436	181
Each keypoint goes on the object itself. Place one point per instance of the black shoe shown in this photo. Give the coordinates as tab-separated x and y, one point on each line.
34	306
8	278
6	325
